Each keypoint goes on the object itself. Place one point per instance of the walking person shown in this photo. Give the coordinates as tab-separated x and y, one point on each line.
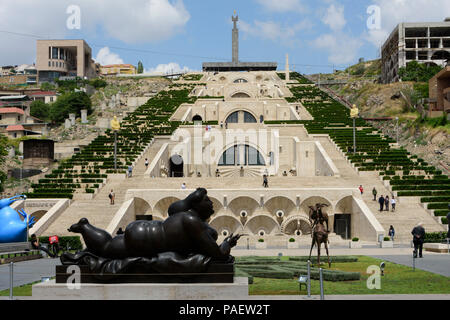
111	197
265	181
361	189
374	192
130	171
54	245
391	233
386	203
183	186
381	202
418	238
393	203
146	164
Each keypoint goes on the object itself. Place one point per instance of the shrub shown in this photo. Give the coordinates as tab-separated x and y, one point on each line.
261	240
386	239
435	237
40	110
291	240
355	239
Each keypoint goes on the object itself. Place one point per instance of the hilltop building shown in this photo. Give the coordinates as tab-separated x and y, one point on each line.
425	42
64	58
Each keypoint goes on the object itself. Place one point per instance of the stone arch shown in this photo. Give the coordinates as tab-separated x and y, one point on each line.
163	205
229	223
248	143
38	214
280	203
243	203
197	117
241	110
240	80
217	205
311	201
345	205
262	222
141	206
240	94
294	223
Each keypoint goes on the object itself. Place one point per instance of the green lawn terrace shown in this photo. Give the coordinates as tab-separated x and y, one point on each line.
295	77
88	170
407	174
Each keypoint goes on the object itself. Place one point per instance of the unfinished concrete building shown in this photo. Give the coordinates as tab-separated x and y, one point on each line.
426	42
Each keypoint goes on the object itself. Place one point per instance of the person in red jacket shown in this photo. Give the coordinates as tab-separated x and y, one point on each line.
361	189
54	244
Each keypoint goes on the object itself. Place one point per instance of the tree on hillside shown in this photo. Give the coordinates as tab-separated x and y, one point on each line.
140	68
40	110
418	72
70	102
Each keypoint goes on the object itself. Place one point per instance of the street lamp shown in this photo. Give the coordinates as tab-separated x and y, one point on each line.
115	126
354	114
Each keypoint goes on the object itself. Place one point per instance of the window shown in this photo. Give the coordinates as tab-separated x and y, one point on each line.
54	53
18	118
234	117
231	157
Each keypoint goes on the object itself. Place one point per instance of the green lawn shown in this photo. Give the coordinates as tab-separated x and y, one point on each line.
21	291
398	279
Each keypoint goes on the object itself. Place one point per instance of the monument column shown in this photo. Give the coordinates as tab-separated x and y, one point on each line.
287	68
235	19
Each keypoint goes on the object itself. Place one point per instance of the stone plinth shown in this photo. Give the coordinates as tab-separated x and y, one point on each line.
67	124
148	291
72	118
84	116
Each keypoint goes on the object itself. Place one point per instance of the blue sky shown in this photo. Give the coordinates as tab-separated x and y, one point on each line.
177	34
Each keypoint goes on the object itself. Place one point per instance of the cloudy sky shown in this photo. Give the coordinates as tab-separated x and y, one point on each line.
181	34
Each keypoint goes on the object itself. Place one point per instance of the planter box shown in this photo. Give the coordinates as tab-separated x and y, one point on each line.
292	245
261	245
355	245
387	244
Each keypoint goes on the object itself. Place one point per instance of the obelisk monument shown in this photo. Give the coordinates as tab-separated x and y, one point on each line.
235	19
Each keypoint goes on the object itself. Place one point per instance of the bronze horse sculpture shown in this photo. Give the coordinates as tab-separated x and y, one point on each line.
319	233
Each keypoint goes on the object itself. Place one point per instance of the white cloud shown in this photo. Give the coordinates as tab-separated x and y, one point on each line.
282	5
132	21
334	17
106	57
341	48
171	67
394	12
270	30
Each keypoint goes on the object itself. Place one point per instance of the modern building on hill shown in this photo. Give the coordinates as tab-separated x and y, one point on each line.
117	69
64	58
440	94
425	42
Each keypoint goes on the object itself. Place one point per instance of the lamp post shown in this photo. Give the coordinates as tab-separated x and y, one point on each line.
354	114
115	126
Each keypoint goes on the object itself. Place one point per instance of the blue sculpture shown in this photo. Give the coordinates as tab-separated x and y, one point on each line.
12	227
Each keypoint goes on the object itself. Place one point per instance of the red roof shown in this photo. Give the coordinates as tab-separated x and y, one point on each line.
42	93
11	110
15	128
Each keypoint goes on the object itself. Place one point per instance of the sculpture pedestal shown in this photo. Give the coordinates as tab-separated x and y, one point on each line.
50	290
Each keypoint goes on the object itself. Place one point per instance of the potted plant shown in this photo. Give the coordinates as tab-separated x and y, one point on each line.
387	243
355	243
292	244
261	244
